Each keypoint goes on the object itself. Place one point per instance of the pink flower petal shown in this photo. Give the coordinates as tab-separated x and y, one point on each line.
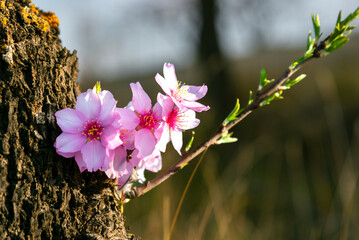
176	137
157	112
153	162
108	105
93	154
107	162
128	118
195	92
188	120
134	160
80	162
166	104
145	142
195	106
110	137
89	104
119	160
170	75
163	84
141	102
66	155
129	140
121	180
165	138
69	142
69	120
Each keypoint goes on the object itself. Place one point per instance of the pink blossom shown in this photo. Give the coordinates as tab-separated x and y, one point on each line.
184	96
174	122
86	129
148	121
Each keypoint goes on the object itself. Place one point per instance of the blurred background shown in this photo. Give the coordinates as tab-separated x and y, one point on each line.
293	173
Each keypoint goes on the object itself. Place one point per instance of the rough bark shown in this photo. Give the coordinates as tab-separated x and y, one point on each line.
42	195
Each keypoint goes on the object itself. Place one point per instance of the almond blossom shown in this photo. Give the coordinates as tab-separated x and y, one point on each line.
147	121
85	129
119	141
174	122
184	96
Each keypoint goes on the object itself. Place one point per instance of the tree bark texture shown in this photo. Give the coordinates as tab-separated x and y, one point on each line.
42	195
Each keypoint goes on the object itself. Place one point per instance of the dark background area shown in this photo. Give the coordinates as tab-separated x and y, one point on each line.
293	173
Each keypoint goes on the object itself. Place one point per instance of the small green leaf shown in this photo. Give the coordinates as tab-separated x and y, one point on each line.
316	25
250	98
310	41
233	115
290	83
189	144
263	79
350	17
338	43
339	19
226	138
274	96
97	87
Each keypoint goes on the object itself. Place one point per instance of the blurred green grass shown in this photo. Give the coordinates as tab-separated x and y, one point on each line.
293	173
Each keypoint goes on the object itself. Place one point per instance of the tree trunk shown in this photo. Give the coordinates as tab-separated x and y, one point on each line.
42	195
213	62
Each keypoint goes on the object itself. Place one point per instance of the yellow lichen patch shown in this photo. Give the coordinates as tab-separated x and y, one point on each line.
3	21
34	9
51	18
2	5
42	20
4	9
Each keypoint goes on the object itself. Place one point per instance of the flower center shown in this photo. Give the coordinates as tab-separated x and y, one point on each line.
93	129
124	134
173	119
180	92
147	120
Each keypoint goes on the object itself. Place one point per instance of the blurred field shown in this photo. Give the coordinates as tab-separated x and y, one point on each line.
293	173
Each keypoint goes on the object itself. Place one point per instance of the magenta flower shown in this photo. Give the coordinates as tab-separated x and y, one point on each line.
146	119
174	122
87	129
184	96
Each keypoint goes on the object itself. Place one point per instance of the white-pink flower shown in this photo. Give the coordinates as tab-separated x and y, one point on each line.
87	129
146	119
174	122
184	96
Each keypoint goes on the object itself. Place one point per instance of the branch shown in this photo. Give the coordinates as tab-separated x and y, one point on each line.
186	158
267	91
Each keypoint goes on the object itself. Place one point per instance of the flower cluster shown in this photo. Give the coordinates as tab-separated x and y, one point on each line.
117	140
